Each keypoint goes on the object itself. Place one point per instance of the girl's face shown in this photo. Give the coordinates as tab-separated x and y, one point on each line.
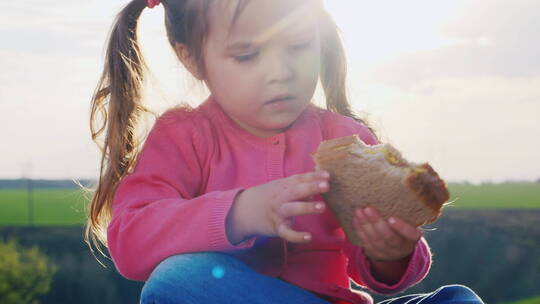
263	66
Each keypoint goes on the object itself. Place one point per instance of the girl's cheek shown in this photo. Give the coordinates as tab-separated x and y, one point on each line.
308	63
308	68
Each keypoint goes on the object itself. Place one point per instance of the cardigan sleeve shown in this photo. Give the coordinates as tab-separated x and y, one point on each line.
156	210
358	267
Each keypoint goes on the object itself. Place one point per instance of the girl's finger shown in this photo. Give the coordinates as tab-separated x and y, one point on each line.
380	225
356	224
304	179
387	234
310	176
373	250
306	189
372	214
289	222
365	242
361	216
292	236
366	226
300	186
300	208
405	229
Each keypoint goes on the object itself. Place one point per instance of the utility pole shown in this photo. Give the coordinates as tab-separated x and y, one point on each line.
30	190
27	171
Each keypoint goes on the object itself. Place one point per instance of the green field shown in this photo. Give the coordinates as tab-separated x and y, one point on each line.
535	300
51	207
495	196
67	207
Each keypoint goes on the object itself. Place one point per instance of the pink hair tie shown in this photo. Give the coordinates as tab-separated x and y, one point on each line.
152	3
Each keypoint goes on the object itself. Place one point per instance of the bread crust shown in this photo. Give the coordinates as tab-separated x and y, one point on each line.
378	176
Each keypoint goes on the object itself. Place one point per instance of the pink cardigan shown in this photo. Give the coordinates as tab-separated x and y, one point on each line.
191	168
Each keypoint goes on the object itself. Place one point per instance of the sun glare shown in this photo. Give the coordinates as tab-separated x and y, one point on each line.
377	30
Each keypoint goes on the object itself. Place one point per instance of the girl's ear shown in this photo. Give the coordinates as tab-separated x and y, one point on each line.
185	56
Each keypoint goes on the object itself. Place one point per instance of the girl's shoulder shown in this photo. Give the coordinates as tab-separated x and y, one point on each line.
182	125
336	125
331	119
180	114
183	117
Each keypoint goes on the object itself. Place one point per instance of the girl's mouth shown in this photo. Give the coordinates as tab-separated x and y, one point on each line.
281	103
281	98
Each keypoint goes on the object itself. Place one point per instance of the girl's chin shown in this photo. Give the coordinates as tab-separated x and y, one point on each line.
270	129
281	126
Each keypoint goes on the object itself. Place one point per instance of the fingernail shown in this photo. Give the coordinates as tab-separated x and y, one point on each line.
319	206
322	185
325	174
370	212
307	237
392	220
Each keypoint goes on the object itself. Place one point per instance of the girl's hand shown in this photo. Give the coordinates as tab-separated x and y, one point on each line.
268	209
385	240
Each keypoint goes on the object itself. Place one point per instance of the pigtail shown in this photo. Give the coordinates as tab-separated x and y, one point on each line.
334	70
116	108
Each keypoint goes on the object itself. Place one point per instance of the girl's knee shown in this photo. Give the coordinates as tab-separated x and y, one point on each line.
182	276
457	294
190	266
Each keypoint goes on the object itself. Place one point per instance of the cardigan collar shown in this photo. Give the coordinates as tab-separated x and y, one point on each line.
220	118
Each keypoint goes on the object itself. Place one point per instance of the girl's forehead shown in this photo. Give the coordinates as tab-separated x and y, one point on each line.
260	19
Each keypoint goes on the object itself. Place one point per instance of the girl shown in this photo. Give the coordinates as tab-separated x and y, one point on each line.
222	204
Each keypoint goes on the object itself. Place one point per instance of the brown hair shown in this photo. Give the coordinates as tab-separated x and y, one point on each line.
117	105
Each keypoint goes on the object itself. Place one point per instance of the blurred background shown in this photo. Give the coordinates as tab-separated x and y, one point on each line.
455	83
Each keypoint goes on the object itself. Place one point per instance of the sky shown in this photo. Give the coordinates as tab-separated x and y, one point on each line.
454	84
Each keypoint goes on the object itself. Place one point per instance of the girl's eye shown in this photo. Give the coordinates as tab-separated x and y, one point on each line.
300	46
246	57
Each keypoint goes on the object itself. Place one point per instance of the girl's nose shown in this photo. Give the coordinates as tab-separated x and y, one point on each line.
279	69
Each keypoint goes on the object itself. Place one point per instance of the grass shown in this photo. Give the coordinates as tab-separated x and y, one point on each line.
67	207
495	196
51	207
535	300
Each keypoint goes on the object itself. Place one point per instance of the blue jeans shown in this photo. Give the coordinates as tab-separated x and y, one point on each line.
213	277
445	295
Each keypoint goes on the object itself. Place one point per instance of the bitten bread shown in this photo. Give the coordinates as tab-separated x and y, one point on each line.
378	176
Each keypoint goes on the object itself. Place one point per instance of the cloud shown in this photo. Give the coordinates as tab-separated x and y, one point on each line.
54	138
474	128
470	108
491	38
495	18
72	28
51	59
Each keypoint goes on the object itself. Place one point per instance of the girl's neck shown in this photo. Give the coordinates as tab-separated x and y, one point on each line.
217	110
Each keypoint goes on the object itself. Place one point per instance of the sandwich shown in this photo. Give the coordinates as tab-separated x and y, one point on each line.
378	176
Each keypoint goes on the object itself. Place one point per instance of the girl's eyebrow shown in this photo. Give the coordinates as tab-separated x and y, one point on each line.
239	46
303	13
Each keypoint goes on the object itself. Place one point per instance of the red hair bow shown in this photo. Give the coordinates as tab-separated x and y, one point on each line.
152	3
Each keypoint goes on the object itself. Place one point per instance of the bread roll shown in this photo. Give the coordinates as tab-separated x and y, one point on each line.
378	176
